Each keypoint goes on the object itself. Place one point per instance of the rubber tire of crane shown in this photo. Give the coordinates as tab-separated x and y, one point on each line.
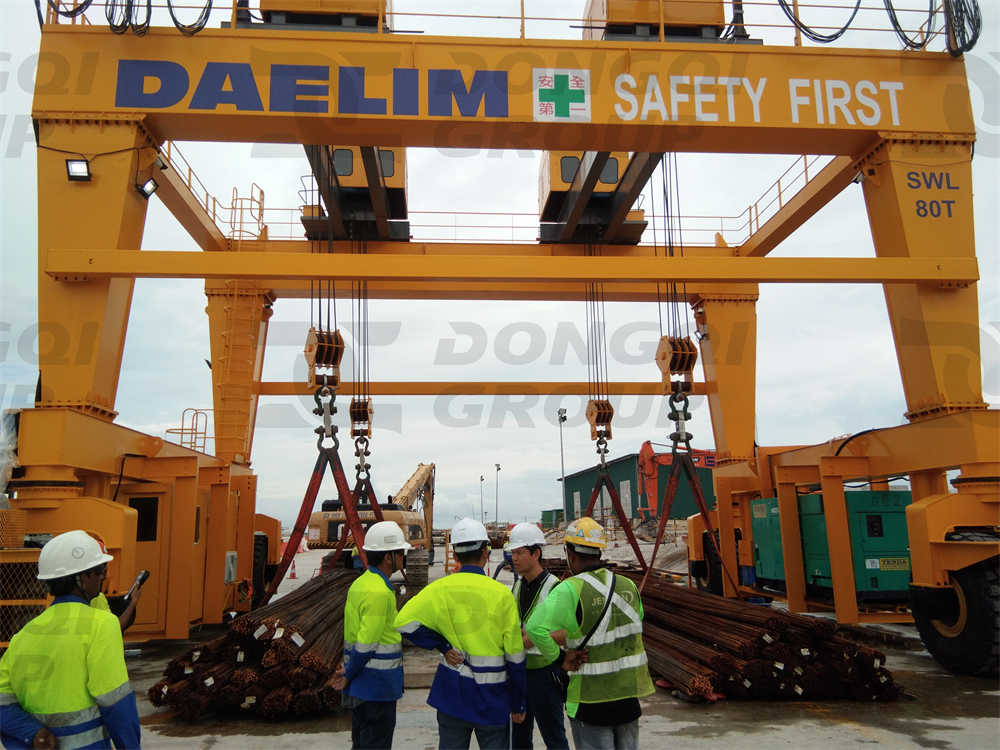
975	649
416	567
712	582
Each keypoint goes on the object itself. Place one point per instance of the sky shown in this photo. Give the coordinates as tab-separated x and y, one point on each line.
826	363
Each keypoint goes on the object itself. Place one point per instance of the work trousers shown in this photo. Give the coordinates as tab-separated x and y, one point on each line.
545	707
594	737
372	725
456	734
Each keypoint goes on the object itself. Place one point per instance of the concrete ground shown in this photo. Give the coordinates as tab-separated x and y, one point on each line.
945	711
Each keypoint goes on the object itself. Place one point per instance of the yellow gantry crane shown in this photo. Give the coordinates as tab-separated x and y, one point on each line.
649	78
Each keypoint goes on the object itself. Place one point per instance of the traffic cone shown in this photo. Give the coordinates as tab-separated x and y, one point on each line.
292	576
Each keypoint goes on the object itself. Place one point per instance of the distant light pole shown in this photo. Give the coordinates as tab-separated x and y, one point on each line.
482	515
496	506
562	462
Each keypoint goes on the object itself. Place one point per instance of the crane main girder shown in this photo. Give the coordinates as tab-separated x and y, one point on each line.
284	87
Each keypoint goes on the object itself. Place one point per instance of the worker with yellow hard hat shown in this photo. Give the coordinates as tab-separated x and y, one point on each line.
63	681
479	687
602	615
371	677
545	705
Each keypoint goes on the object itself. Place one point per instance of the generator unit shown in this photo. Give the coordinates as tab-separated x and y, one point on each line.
879	545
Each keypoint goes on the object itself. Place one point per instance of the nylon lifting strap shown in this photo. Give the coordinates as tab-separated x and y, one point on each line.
682	463
328	456
604	480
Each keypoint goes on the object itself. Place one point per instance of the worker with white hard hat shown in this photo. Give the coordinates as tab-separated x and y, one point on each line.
545	704
601	614
63	681
371	677
472	620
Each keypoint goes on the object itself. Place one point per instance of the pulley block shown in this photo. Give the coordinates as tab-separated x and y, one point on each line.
361	411
599	414
324	350
676	355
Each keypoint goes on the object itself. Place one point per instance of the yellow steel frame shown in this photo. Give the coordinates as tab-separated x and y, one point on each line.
85	265
878	112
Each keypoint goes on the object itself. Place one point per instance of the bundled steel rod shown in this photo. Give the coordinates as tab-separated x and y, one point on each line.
276	661
705	645
755	652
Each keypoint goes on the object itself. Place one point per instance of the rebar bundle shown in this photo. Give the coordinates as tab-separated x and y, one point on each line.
275	662
706	647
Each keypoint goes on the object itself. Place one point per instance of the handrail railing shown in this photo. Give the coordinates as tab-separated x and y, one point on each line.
521	20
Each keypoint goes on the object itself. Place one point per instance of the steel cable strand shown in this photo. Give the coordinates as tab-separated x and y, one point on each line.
192	28
905	38
71	13
964	23
811	33
140	29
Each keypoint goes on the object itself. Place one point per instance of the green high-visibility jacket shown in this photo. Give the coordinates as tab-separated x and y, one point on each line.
616	666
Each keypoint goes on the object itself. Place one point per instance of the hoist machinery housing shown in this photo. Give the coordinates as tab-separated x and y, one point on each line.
898	122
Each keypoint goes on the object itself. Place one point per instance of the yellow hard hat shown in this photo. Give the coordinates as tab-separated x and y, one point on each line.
585	532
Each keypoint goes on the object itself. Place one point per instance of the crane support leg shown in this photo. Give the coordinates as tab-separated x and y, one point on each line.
728	323
237	315
919	198
81	327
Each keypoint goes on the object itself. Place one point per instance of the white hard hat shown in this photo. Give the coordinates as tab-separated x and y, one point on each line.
467	534
385	536
526	535
70	553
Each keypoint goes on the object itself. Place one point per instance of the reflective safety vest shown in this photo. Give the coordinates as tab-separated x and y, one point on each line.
101	602
477	616
65	669
616	665
373	650
535	659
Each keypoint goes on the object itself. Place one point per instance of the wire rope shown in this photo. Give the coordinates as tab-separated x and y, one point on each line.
811	33
908	41
189	29
71	12
964	22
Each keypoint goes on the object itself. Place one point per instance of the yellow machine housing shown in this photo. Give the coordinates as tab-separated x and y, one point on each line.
180	514
351	171
555	177
611	19
348	15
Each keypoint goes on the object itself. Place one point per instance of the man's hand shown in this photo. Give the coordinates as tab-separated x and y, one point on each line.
518	718
453	657
339	679
573	660
45	740
526	639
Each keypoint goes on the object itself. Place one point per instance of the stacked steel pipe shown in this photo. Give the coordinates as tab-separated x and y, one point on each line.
276	661
706	647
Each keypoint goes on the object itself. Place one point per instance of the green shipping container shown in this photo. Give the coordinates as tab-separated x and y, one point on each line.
552	518
879	544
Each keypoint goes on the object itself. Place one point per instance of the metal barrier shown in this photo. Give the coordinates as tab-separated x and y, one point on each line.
528	19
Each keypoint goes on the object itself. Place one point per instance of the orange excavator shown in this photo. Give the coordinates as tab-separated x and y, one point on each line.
649	473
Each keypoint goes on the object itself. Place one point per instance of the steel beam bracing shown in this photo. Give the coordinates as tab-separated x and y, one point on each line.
636	175
376	190
321	162
578	195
